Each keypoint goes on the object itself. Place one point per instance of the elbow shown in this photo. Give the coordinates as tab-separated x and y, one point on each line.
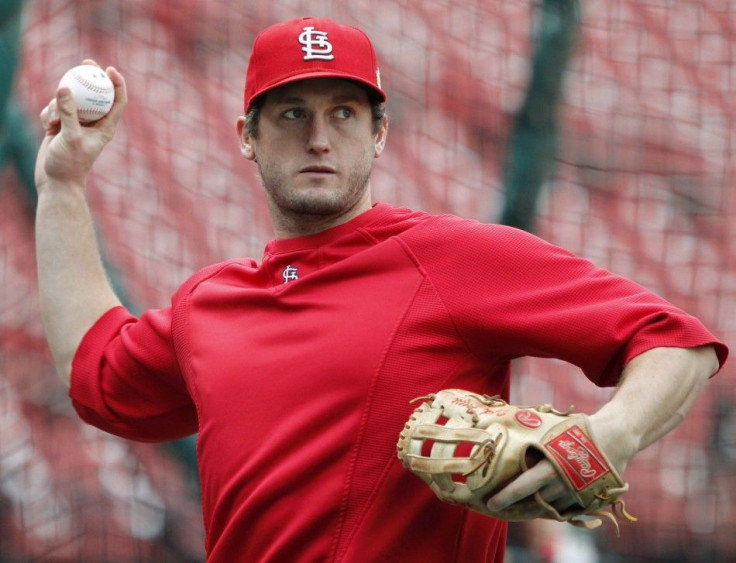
707	362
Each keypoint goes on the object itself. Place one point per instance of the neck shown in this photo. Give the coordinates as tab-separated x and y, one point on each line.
293	224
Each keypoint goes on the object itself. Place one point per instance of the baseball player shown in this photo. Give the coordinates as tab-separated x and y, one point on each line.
297	371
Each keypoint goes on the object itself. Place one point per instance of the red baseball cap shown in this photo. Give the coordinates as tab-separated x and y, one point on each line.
310	48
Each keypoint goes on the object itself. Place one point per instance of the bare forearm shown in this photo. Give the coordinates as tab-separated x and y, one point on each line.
74	290
657	390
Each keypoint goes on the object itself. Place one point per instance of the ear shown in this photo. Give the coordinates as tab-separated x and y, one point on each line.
380	141
246	144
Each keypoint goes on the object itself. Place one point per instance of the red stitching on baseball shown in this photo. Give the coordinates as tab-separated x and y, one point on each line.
84	82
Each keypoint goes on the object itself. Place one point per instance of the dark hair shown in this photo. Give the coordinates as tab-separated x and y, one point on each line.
253	117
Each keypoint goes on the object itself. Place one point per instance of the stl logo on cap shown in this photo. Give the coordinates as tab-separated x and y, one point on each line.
316	45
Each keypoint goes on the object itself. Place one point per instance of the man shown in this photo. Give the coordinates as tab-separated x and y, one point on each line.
297	372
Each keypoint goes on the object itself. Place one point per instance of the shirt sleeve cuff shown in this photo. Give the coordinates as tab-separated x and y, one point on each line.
85	387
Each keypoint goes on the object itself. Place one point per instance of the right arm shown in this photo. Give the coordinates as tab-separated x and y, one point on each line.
74	290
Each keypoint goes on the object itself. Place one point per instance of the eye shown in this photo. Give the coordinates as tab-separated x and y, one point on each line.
295	113
343	113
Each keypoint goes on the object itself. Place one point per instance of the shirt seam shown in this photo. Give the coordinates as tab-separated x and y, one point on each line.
410	253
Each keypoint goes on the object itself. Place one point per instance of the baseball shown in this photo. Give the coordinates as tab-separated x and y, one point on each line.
92	89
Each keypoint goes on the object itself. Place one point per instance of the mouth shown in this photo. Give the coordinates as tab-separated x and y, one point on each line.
317	169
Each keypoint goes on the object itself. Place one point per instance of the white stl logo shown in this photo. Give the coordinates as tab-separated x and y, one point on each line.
290	274
316	44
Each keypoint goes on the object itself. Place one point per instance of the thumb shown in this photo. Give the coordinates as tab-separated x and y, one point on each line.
67	110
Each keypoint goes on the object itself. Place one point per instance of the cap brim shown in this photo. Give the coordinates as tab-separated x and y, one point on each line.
297	77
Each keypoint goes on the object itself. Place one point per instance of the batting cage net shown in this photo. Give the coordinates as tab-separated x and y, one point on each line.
606	127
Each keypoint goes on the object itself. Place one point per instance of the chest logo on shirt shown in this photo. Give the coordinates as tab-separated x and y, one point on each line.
290	273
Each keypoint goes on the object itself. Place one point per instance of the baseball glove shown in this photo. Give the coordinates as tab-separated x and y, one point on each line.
467	447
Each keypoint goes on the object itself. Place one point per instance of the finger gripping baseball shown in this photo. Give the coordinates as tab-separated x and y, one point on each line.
467	446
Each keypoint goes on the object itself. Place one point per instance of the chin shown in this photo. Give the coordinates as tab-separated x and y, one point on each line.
320	206
321	201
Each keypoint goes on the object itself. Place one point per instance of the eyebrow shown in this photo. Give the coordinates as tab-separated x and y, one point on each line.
339	99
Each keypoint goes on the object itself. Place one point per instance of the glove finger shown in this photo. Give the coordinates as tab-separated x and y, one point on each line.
524	486
558	495
527	509
556	492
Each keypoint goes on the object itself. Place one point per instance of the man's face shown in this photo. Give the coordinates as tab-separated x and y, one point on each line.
315	150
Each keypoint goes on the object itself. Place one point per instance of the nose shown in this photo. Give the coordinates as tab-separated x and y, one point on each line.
318	138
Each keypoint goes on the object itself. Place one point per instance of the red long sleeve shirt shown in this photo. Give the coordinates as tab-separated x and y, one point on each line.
297	374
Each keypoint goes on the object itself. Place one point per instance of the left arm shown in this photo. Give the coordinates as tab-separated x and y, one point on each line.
657	389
